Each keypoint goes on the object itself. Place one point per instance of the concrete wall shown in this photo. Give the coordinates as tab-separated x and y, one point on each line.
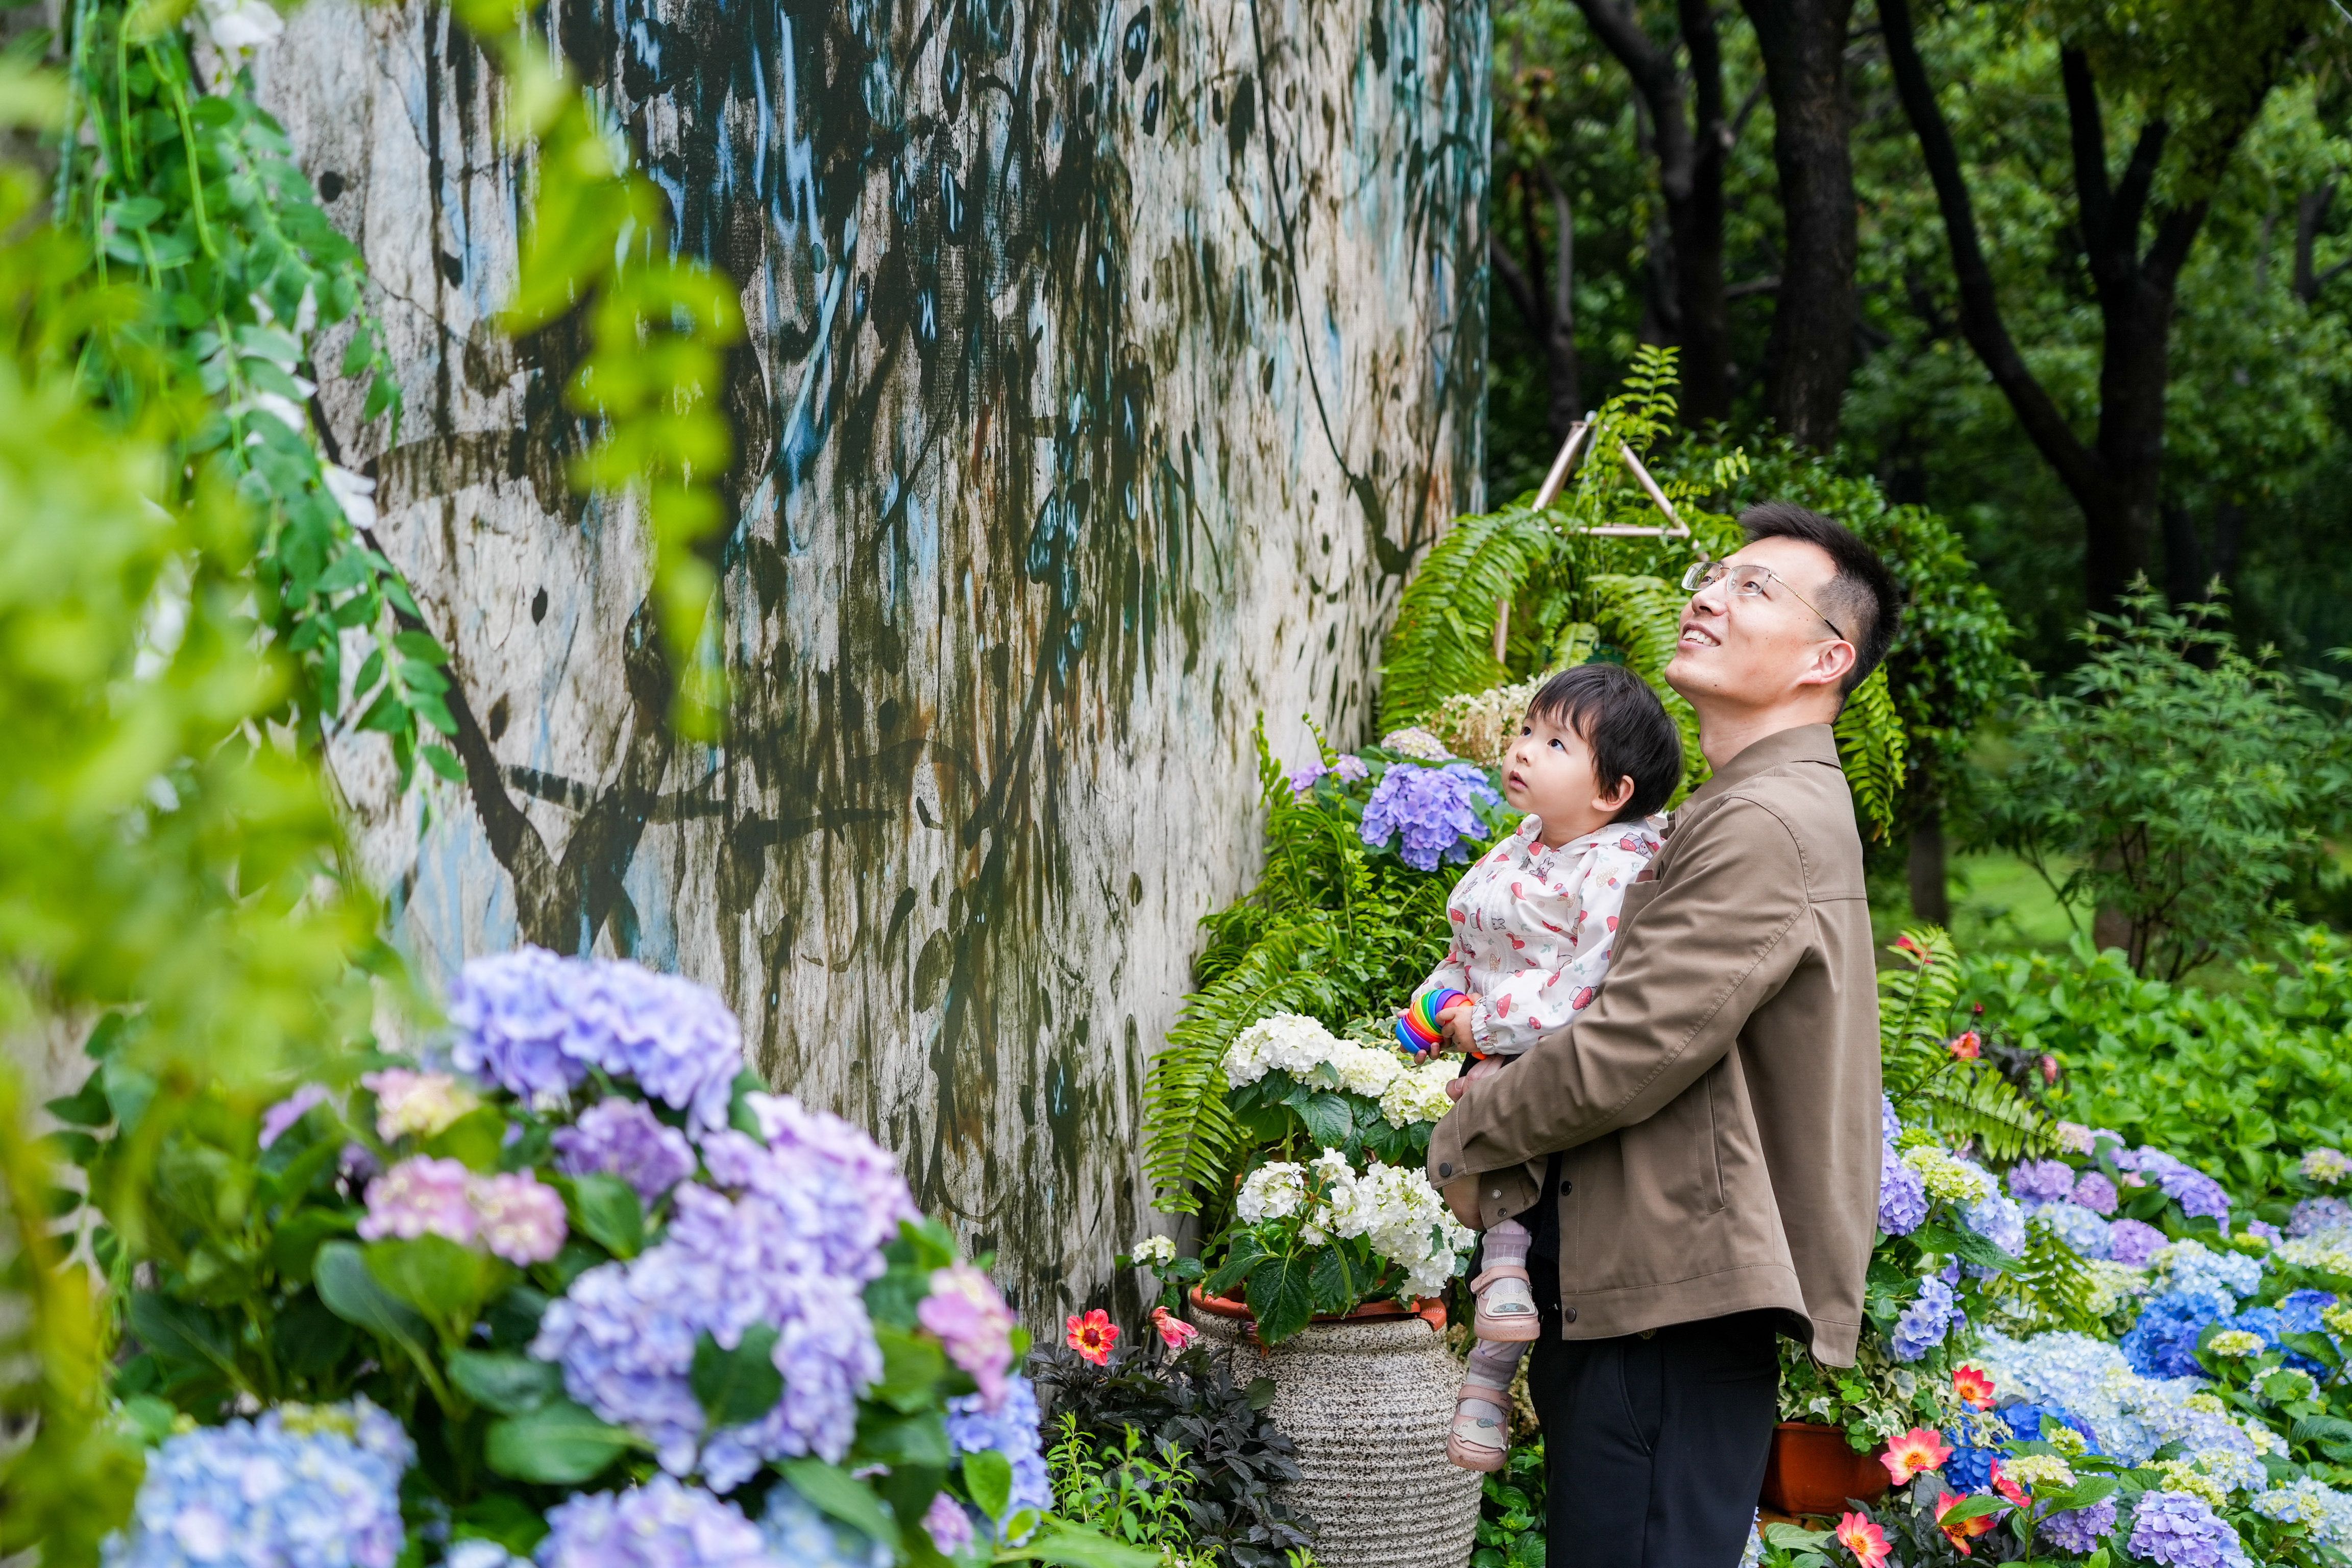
1107	368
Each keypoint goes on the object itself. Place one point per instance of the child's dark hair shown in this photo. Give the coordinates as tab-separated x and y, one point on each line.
1626	726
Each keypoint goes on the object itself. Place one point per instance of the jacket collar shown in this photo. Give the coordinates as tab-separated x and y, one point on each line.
1805	744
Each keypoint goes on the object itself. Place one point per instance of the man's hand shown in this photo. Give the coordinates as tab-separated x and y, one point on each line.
1455	1022
1456	1086
1462	1197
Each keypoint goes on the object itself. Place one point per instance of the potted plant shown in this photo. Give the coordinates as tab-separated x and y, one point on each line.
1330	1267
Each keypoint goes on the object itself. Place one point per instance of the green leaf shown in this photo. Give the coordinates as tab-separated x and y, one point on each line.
739	1385
474	1140
913	1366
1247	1253
505	1383
501	1517
178	1331
988	1477
604	1208
1971	1508
2082	1493
1333	1282
1329	1117
920	1440
351	1292
559	1444
1281	1298
1076	1546
446	1282
443	761
837	1492
295	1247
87	1107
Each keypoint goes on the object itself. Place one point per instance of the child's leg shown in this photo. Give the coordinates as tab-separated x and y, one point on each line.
1481	1436
1507	1304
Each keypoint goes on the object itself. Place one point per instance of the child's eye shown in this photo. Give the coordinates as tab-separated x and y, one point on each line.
1556	742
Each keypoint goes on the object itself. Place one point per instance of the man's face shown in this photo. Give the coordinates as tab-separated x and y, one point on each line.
1746	646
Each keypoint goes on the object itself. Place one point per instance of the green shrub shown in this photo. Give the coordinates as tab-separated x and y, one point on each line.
2241	1079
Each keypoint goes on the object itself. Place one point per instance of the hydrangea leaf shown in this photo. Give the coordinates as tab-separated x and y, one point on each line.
508	1384
841	1495
560	1444
1281	1297
988	1477
604	1208
739	1385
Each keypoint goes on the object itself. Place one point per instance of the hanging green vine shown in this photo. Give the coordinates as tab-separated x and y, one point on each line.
189	189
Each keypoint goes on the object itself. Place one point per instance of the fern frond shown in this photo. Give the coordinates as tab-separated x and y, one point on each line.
2051	1289
1443	640
1972	1101
1188	1131
1871	744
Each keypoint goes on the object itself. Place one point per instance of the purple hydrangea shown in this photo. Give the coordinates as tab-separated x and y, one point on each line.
314	1487
281	1117
660	1524
1925	1322
1011	1429
2198	1195
1890	1126
421	1197
535	1024
2264	1230
794	1248
2163	1342
2096	1192
2313	1216
1431	812
2078	1531
1901	1195
621	1138
2041	1181
2133	1242
522	1218
1302	779
947	1524
2177	1530
1351	768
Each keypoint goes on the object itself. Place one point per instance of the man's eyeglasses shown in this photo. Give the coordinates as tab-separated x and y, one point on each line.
1749	581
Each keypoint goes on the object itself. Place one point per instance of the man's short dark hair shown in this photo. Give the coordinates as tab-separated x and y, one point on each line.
1861	597
1626	726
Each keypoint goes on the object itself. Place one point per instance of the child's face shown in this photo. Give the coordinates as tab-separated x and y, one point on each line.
1549	771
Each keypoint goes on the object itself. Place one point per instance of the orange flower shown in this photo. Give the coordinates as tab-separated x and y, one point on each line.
1974	1385
1174	1332
1960	1533
1864	1539
1919	1449
1967	1046
1093	1335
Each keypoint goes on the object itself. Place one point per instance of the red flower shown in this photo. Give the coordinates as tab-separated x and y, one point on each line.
1174	1332
1974	1385
1864	1539
2007	1488
1961	1532
1906	945
1920	1449
1968	1047
1093	1335
2049	1069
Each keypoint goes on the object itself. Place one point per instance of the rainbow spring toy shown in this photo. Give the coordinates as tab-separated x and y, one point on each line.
1417	1028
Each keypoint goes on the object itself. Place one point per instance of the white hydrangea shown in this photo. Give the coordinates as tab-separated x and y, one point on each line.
1272	1192
2236	1472
2192	1266
2326	1166
1394	1208
1418	1094
2319	1508
1153	1250
2113	1284
2330	1251
1291	1042
1365	1069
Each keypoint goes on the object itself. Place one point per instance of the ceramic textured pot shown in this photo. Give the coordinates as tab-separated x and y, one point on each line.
1814	1471
1368	1399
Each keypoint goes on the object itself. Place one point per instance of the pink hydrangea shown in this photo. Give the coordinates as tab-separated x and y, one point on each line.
972	1323
421	1197
522	1218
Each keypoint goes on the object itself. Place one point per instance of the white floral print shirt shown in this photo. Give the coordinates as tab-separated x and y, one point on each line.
1534	927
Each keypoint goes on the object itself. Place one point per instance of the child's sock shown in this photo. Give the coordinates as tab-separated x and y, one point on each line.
1507	1243
1492	1363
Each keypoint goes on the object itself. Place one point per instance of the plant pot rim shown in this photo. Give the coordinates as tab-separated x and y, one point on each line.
1429	1309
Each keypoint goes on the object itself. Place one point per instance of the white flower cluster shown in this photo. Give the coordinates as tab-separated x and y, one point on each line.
1152	1251
2329	1250
2192	1266
2322	1509
1949	1177
1297	1044
2326	1166
1418	1094
1392	1208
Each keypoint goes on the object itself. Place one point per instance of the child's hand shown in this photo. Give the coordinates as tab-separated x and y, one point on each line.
1455	1023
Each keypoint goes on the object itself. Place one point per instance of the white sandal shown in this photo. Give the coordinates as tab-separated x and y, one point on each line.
1507	1305
1480	1438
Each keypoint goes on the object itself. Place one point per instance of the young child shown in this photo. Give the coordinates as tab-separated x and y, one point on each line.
1533	923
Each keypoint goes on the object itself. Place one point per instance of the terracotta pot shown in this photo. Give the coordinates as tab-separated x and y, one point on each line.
1429	1307
1814	1471
1368	1399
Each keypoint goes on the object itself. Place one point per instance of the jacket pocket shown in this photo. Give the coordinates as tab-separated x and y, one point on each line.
1715	1120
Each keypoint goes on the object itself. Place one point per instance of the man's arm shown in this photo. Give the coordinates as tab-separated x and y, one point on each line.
1708	947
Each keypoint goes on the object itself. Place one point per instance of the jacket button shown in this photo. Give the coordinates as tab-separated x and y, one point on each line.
1569	1312
1443	1169
1566	1188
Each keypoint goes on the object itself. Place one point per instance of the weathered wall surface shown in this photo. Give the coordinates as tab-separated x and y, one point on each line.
1107	368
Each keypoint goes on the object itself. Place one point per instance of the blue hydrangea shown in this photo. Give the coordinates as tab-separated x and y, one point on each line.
660	1524
1925	1322
2076	1226
1431	811
2163	1342
1999	1220
792	1247
796	1531
293	1488
1010	1430
2177	1530
1968	1469
1901	1195
2313	1216
2032	1422
2299	1310
534	1024
2079	1530
2192	1266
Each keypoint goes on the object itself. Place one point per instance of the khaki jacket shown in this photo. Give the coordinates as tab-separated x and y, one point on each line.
1718	1103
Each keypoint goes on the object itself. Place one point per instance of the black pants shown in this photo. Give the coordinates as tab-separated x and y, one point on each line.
1656	1447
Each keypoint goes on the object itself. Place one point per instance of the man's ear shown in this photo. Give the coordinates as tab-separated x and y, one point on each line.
1832	661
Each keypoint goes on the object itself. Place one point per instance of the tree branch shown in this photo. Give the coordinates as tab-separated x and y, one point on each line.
1656	79
2310	213
1515	281
2088	133
1980	319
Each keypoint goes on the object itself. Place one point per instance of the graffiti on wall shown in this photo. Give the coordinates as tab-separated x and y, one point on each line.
1107	368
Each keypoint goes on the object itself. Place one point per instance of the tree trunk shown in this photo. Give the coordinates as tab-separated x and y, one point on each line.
1810	353
1548	312
1931	897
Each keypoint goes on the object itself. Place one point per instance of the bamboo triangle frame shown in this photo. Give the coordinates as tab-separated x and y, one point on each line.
1556	481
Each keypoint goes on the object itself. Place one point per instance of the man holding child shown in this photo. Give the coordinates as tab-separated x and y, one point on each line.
1694	1156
